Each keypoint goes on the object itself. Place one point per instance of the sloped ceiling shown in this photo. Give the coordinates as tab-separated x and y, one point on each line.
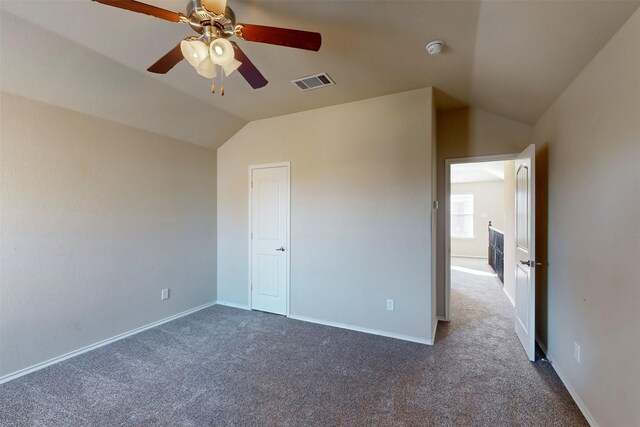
511	58
477	172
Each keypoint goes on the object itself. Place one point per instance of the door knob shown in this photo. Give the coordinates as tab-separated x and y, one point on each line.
531	263
281	248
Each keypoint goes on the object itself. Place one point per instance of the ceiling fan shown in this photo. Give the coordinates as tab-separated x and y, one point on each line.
211	50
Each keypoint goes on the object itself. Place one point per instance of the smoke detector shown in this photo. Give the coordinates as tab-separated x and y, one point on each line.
435	47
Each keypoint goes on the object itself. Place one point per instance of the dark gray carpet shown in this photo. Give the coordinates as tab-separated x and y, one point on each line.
224	366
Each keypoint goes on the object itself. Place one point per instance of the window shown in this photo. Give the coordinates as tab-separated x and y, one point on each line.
462	216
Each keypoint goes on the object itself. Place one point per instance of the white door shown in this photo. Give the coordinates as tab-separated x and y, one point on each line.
525	250
269	239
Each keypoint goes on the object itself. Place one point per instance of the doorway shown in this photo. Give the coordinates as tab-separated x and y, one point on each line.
269	240
510	250
479	223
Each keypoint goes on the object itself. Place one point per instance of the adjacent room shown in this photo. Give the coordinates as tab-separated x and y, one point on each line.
312	213
481	222
482	204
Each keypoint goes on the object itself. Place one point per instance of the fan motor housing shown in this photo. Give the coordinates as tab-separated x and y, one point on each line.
199	18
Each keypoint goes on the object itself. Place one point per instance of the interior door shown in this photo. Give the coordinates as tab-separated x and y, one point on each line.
525	250
269	239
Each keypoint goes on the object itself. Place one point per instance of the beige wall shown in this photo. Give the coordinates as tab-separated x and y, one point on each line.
488	205
470	132
589	147
96	218
360	211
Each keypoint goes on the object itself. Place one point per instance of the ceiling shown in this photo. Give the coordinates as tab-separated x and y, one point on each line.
477	172
511	58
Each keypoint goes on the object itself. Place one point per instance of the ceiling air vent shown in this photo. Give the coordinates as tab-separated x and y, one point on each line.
313	82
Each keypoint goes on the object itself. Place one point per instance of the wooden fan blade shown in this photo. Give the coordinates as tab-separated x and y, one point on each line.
248	70
167	62
147	9
280	36
215	6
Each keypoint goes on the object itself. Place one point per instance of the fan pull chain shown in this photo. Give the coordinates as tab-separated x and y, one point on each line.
213	82
221	82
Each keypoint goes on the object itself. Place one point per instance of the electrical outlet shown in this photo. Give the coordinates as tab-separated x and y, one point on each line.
576	351
390	304
165	294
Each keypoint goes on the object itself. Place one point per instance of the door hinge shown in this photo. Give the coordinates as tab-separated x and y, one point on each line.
251	183
251	236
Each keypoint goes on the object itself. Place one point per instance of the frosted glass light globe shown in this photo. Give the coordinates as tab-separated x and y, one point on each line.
194	51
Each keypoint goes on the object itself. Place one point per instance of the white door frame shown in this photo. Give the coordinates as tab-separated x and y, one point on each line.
288	238
447	218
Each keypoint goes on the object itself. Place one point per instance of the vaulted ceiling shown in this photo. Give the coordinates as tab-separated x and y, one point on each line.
477	172
511	58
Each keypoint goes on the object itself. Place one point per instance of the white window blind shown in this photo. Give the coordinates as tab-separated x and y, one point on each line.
462	216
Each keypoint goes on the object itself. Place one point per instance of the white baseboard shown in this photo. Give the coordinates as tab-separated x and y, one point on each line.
583	408
469	256
365	330
53	361
513	303
234	305
542	347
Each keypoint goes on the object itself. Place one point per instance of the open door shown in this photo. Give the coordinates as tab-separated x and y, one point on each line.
525	297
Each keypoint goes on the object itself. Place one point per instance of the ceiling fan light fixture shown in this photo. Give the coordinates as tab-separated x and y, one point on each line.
231	67
221	52
207	69
194	51
216	22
